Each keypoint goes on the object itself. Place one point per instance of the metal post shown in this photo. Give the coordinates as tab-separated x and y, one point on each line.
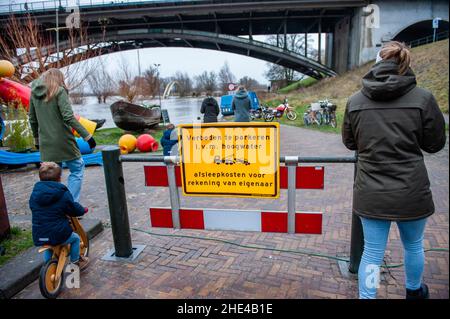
173	190
117	201
357	237
319	58
57	36
291	163
4	220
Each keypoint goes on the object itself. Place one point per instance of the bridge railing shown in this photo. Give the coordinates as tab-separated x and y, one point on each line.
431	38
46	5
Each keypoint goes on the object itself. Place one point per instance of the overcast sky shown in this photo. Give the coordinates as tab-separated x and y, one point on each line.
192	61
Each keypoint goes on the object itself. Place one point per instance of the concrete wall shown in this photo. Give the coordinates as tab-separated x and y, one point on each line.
395	15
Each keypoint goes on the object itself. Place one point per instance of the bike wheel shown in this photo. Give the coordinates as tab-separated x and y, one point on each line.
306	120
319	119
333	121
291	115
268	117
326	118
47	285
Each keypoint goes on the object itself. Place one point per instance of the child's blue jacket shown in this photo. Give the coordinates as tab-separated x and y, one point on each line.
50	202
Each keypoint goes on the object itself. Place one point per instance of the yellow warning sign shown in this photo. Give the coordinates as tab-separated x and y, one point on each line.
230	159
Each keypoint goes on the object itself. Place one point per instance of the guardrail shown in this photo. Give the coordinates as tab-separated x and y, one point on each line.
36	6
429	39
115	186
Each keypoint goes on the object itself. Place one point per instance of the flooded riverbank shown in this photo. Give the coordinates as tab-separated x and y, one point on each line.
181	110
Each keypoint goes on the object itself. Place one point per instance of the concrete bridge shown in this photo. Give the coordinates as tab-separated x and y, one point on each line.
354	29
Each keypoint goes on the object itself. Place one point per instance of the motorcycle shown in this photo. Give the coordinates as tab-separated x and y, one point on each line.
279	111
259	112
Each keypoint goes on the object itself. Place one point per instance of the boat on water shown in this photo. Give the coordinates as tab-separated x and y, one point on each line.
133	117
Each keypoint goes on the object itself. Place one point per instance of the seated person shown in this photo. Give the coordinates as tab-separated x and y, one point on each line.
168	141
50	203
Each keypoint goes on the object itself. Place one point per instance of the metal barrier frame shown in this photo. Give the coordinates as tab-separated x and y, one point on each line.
115	187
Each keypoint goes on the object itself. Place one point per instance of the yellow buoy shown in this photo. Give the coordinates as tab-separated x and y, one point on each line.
90	126
6	68
127	143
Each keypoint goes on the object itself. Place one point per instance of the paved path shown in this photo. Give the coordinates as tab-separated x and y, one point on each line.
194	268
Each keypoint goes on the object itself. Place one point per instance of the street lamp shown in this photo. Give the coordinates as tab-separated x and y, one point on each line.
157	65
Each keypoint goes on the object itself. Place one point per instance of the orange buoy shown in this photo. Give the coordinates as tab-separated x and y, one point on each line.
6	68
127	143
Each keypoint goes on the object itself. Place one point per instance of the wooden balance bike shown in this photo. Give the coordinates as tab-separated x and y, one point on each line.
51	277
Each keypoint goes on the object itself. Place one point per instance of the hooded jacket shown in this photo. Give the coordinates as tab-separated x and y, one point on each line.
389	122
52	123
241	106
167	142
50	202
211	110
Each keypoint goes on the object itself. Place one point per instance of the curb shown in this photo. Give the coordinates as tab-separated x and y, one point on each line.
23	269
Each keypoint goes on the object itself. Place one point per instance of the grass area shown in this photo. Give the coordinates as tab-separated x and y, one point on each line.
429	62
297	85
19	241
111	136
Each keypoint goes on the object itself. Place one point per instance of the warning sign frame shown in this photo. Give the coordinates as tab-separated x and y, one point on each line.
276	159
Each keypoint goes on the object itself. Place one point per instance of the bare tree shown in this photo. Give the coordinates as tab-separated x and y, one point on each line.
100	83
127	83
225	77
184	86
249	83
151	82
206	81
294	43
33	49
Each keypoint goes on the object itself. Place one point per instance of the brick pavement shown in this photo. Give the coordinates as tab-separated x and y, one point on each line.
173	267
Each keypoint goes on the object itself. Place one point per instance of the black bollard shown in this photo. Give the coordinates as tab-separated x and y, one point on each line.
118	211
357	238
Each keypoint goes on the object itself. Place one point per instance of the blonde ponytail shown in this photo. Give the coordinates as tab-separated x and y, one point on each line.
398	51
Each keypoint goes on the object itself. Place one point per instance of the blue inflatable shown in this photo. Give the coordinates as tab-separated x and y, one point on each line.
83	146
9	158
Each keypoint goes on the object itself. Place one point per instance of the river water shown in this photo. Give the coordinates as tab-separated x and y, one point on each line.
181	110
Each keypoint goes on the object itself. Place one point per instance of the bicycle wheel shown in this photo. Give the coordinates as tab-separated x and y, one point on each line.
268	117
47	285
333	121
291	115
306	120
319	118
326	118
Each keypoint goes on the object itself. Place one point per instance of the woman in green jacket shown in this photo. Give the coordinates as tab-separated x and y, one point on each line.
52	120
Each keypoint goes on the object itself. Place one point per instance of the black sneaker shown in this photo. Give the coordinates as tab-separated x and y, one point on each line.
421	293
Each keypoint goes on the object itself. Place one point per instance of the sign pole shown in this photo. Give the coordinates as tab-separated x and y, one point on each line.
173	190
291	163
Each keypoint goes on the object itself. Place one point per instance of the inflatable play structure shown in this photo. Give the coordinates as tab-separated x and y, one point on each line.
17	93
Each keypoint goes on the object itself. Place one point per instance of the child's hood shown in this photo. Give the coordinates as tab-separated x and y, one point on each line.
46	193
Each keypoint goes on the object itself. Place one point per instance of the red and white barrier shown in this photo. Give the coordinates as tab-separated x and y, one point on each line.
307	177
238	220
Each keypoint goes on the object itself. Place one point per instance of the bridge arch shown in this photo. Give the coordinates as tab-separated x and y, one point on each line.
169	88
420	29
130	39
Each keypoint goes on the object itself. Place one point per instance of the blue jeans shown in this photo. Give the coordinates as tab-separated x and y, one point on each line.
376	234
74	241
75	180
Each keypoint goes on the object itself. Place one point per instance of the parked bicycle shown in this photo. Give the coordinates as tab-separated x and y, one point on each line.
279	111
321	112
313	115
328	113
